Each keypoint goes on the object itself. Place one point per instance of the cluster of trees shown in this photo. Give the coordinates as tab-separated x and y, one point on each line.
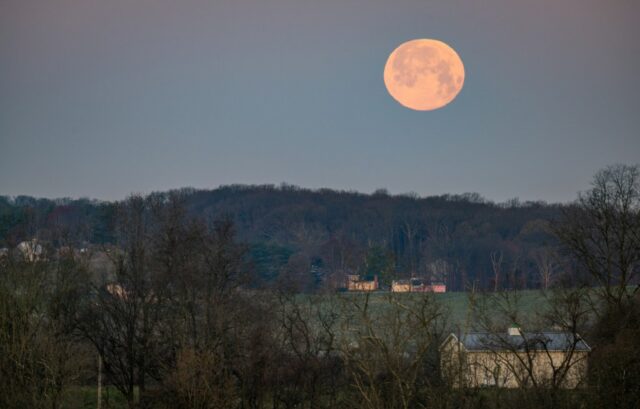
316	237
166	313
170	322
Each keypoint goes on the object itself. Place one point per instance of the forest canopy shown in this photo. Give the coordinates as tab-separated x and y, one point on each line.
314	237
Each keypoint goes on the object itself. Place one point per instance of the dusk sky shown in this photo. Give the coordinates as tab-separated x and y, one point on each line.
103	98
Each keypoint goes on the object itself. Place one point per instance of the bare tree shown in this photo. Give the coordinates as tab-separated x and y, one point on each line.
39	355
547	265
122	317
410	230
308	333
439	270
496	265
387	349
207	315
602	231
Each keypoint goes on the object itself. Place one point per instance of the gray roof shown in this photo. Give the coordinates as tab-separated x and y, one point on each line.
532	341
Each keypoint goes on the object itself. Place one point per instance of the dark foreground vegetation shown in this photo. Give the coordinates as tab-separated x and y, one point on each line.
165	313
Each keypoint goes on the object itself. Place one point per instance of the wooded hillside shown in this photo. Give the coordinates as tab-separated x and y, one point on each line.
311	238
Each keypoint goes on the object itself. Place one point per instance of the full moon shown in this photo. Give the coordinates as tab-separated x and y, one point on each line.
424	74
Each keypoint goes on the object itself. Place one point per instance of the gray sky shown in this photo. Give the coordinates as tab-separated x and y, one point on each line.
103	98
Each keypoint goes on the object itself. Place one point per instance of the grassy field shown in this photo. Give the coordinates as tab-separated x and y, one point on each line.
85	397
456	304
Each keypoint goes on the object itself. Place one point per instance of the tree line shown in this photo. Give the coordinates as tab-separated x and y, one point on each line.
314	238
170	318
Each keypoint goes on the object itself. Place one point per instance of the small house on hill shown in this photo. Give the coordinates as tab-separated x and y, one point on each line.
355	283
515	359
417	285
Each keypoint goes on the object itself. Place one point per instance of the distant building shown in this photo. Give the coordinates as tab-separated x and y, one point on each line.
401	286
438	288
355	283
514	359
31	250
416	285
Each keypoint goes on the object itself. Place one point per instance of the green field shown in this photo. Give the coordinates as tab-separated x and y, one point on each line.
85	397
456	304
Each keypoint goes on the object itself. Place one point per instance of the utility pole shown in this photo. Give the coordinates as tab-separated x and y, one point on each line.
99	406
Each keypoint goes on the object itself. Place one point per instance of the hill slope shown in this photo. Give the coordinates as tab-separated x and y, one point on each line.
311	237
